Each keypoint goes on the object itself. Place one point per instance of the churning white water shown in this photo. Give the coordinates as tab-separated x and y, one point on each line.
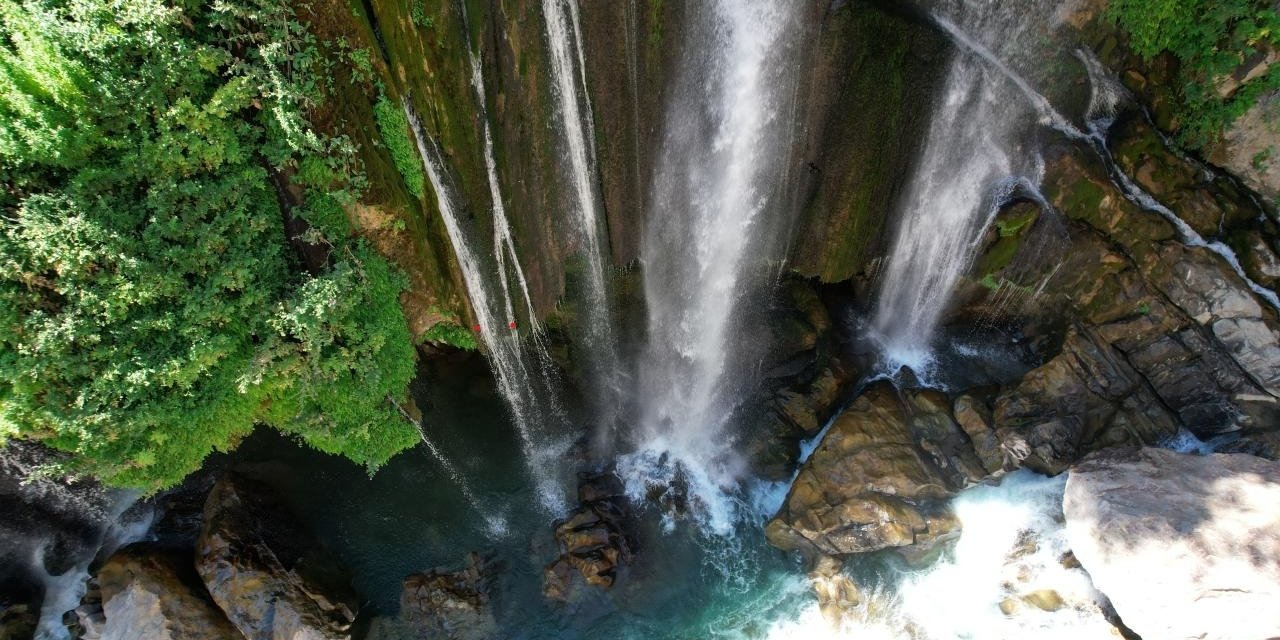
1012	552
523	384
710	199
970	160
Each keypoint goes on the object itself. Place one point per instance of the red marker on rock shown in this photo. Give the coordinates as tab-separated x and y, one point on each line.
511	325
476	328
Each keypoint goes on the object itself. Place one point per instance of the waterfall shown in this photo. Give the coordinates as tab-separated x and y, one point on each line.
711	200
568	67
969	166
524	386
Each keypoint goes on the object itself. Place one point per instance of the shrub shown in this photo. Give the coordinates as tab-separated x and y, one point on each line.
1210	39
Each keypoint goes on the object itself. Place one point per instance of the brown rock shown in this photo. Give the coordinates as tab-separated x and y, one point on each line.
1044	599
153	593
879	478
593	546
442	604
837	594
266	571
974	417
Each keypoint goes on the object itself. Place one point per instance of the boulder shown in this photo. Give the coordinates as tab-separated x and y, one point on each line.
1184	546
836	592
592	540
1086	398
974	417
449	605
270	575
152	593
880	478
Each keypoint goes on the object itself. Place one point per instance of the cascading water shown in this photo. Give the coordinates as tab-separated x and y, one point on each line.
525	387
568	67
970	160
711	201
504	246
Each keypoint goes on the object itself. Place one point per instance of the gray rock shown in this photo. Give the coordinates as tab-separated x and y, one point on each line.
1184	546
1086	398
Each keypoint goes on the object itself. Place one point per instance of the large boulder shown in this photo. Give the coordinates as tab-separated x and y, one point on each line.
270	575
592	540
880	478
1184	546
152	593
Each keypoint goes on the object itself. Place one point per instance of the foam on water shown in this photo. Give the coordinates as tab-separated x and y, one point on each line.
1011	545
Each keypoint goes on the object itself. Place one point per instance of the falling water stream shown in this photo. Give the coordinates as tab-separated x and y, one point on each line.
716	211
524	386
711	200
972	159
573	106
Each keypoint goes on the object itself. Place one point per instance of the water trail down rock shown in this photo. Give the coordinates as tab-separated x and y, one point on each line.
528	394
569	77
63	591
711	201
504	246
972	156
1105	94
495	525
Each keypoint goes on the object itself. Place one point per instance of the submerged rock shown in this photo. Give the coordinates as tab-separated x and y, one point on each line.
449	605
155	594
836	592
17	621
879	478
1184	546
266	571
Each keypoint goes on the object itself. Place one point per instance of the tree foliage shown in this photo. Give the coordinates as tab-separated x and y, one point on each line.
151	310
1210	39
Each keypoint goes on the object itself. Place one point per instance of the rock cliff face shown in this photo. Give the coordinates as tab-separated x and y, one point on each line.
864	72
1183	546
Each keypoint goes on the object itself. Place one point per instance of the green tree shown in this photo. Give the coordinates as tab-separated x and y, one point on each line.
1210	39
151	310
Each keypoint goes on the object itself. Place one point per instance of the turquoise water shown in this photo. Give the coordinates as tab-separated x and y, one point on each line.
683	583
410	517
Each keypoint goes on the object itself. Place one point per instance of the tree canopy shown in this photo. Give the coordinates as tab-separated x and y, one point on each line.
151	307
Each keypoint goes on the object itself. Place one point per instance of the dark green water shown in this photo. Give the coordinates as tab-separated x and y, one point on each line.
412	517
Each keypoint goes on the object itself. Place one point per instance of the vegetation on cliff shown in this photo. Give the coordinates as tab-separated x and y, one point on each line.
1211	40
156	158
